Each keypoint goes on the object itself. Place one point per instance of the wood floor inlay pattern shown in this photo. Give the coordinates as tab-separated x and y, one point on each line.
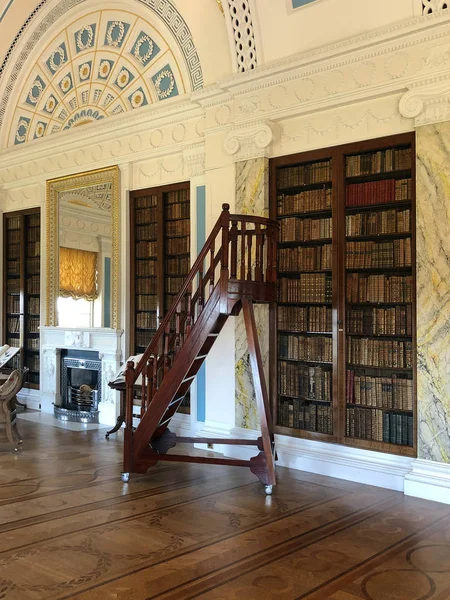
69	528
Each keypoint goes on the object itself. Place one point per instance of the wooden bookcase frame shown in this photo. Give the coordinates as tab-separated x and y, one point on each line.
23	316
160	192
339	364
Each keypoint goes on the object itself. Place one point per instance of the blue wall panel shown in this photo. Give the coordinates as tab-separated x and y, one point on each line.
201	239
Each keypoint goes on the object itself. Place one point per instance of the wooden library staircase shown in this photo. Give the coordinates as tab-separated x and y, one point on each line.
235	269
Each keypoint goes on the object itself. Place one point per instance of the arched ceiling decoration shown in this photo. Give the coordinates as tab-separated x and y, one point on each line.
106	63
97	197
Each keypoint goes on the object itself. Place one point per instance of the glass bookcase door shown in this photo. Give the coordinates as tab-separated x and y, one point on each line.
160	259
379	250
145	251
13	309
305	295
21	306
177	227
32	296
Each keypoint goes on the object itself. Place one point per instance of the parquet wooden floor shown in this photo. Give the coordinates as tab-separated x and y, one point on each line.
69	528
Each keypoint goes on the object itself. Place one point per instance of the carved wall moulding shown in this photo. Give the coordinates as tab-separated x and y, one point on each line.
77	339
194	160
427	102
249	141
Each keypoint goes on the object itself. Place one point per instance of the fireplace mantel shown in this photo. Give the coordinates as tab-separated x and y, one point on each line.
102	340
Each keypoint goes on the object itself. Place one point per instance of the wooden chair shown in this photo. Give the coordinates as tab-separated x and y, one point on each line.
8	392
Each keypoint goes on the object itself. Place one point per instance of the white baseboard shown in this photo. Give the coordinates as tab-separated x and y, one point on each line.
353	464
429	480
213	429
182	424
333	460
32	398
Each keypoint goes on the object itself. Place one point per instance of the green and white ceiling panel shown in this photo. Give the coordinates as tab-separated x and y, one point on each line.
107	63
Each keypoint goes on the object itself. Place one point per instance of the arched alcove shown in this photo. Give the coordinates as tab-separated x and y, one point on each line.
79	61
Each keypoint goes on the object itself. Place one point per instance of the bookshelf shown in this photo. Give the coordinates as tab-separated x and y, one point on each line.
21	284
343	345
160	259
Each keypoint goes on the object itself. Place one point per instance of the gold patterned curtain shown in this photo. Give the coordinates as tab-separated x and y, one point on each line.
77	274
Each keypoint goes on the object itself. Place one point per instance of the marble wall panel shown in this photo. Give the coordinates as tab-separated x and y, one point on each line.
433	291
252	198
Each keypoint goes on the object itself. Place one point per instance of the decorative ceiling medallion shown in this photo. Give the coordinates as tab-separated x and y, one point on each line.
36	91
144	49
85	71
57	58
66	83
115	33
105	68
22	130
165	83
124	78
51	104
137	98
84	38
40	129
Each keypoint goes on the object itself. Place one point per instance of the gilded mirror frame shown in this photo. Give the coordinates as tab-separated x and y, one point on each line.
54	188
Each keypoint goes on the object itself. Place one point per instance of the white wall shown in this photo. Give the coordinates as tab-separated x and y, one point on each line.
285	31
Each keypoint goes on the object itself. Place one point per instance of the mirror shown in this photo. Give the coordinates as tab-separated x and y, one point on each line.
82	255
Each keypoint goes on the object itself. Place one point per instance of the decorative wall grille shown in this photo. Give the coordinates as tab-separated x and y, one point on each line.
244	37
433	6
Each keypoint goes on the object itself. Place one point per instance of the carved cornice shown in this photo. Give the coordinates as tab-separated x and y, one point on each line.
427	102
251	140
399	35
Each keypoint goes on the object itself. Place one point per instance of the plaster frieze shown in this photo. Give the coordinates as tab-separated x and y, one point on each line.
427	102
159	171
341	125
251	140
397	36
82	152
16	199
320	85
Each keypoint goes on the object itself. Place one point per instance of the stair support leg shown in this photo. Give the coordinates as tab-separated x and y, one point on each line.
262	399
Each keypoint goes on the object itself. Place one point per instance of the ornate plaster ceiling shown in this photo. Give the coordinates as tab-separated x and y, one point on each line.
107	63
93	197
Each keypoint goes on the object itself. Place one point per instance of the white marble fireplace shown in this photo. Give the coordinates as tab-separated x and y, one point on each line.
102	340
